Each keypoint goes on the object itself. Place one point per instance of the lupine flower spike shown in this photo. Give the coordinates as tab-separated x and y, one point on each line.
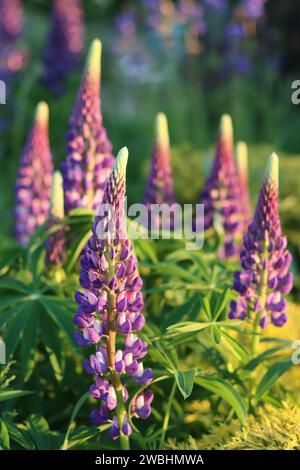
265	277
242	168
109	314
34	179
55	253
221	194
159	188
65	43
89	158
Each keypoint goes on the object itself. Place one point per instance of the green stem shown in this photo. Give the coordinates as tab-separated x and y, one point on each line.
167	416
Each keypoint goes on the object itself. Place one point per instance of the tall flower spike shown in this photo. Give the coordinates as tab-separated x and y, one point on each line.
65	43
242	168
159	187
109	313
89	158
265	277
221	194
55	253
34	179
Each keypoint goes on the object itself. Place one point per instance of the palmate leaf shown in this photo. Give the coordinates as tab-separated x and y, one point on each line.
23	308
227	392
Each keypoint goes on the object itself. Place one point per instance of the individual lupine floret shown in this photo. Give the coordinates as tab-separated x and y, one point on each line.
221	194
242	168
65	43
55	252
265	277
89	159
109	313
34	180
11	21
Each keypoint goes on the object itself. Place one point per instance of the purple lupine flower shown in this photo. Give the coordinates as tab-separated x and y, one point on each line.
109	309
265	278
221	194
11	20
34	179
242	168
64	44
89	158
159	187
55	244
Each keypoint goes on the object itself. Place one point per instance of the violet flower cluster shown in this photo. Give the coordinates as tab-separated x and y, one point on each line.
55	244
34	180
265	278
109	312
89	152
64	44
221	194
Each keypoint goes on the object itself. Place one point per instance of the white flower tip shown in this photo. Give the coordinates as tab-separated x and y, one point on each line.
272	170
120	165
226	127
242	157
57	196
42	113
93	63
162	132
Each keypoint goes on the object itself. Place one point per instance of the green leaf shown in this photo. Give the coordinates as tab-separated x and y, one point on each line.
185	382
4	436
13	284
12	394
233	347
221	304
28	344
18	436
206	306
38	430
54	345
271	376
75	411
251	365
174	271
76	248
61	312
14	331
216	335
225	391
